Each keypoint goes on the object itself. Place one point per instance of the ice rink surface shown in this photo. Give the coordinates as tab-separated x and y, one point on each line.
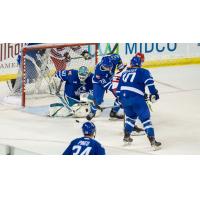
176	118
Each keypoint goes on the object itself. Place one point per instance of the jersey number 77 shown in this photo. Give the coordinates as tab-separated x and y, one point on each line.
128	77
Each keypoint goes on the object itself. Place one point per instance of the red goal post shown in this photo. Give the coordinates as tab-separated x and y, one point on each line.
27	49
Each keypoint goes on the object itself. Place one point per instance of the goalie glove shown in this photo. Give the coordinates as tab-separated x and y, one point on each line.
86	55
154	97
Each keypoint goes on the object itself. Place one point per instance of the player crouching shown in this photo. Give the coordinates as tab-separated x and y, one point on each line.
131	90
77	93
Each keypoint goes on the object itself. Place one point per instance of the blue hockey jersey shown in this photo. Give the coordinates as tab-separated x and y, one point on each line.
104	77
84	146
133	82
73	86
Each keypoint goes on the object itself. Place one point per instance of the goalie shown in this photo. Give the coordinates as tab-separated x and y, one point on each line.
77	93
37	66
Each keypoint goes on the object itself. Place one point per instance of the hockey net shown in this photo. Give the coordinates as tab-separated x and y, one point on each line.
36	83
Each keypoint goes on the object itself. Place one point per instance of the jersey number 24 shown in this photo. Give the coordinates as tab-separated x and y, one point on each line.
78	150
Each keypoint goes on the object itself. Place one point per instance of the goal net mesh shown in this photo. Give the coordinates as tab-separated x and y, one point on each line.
36	83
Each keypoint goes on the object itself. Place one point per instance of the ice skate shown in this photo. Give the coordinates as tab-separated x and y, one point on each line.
115	115
155	145
127	138
90	116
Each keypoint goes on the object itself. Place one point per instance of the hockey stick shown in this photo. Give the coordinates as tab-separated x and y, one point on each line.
59	87
92	56
54	114
149	105
64	102
106	107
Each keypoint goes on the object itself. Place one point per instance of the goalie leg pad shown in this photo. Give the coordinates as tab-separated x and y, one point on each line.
81	110
58	110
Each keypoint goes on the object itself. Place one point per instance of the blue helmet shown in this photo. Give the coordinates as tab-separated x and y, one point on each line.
106	62
116	60
88	128
136	62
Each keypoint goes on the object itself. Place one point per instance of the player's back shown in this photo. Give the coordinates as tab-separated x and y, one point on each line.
132	82
84	146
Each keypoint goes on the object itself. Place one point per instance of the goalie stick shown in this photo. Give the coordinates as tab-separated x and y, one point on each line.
65	105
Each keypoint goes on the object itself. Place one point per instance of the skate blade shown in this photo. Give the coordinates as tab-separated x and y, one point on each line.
115	119
154	148
127	143
138	134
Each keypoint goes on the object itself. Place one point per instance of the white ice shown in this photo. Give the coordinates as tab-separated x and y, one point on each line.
175	117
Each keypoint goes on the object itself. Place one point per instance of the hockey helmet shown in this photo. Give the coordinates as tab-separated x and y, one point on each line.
106	62
89	128
140	55
136	62
116	60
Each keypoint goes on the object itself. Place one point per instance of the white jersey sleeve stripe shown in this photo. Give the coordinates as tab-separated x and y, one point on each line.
132	89
150	85
149	79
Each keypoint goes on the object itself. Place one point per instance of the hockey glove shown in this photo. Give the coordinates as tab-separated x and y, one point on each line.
86	55
153	98
67	57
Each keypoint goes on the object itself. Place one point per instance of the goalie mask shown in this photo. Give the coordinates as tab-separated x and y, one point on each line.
83	73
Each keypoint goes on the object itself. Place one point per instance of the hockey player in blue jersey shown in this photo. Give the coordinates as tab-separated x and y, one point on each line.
78	83
131	92
86	145
102	82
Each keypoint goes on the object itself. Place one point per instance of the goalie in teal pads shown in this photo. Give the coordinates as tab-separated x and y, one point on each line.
77	93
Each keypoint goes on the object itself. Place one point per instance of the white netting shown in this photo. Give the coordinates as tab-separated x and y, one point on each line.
40	66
